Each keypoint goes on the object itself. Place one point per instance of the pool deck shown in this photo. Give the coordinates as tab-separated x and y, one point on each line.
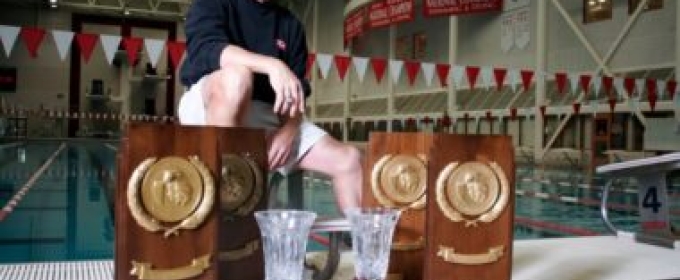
582	258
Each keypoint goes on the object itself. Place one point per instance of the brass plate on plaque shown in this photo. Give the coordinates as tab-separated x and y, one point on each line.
170	194
242	184
400	181
472	192
144	271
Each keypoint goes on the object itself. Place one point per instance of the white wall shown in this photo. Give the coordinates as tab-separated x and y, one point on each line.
43	80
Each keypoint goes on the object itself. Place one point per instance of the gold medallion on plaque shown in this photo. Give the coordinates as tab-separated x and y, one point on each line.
400	181
170	194
472	192
242	185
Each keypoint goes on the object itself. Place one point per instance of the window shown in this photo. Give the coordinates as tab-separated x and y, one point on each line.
597	10
651	5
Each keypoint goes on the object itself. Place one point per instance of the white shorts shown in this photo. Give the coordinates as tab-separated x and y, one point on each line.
191	111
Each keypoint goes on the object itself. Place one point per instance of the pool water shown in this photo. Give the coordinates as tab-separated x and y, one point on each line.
56	199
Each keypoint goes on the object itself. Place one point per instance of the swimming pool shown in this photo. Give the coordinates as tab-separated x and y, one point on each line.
56	201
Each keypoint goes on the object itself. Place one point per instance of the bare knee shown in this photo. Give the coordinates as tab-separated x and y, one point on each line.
348	160
230	85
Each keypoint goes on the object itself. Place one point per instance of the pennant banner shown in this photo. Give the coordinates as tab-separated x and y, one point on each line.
110	44
154	48
379	65
86	43
360	66
132	45
311	58
472	74
607	83
324	61
176	50
33	37
412	69
342	64
443	72
428	72
395	69
63	41
8	35
499	76
527	76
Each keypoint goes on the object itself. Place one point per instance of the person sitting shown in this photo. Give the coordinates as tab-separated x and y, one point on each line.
245	66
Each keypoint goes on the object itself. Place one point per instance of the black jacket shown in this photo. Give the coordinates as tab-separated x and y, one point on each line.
263	28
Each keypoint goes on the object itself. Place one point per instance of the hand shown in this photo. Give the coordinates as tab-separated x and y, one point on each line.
280	144
290	98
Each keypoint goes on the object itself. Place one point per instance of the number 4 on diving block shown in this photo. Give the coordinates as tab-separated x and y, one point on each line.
653	201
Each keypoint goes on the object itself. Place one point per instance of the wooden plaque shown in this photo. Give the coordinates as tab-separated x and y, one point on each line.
396	176
185	199
470	208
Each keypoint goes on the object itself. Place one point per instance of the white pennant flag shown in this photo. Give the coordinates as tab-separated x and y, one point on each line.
63	40
477	118
154	49
620	89
573	81
661	88
640	85
597	85
110	44
677	112
360	66
487	77
395	69
428	72
457	73
8	34
324	62
513	79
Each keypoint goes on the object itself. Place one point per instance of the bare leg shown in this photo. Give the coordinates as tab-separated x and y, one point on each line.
342	163
227	94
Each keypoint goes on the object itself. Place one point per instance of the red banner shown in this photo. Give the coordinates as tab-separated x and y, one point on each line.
459	7
387	12
354	24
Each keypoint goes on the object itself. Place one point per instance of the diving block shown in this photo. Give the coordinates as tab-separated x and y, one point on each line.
653	197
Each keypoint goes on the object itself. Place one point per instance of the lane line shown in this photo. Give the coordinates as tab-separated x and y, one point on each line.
12	203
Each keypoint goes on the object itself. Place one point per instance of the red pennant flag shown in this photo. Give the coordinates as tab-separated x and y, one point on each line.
472	74
651	93
466	116
412	68
671	86
561	81
86	43
379	65
527	76
612	105
32	37
513	113
608	83
427	120
629	84
585	83
577	108
489	115
311	58
542	108
499	74
132	46
443	73
176	50
342	63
